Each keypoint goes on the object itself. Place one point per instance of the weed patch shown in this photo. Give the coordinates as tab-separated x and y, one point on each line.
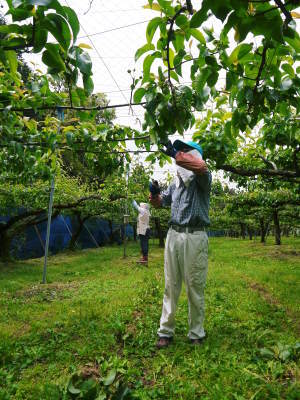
50	292
91	332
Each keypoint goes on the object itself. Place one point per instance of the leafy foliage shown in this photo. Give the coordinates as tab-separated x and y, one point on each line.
61	57
34	141
261	91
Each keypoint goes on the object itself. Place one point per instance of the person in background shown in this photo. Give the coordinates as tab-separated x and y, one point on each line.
143	229
186	250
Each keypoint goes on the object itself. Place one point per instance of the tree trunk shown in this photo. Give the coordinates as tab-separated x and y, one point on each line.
262	230
287	231
17	227
134	232
76	233
276	227
159	232
243	230
111	232
5	243
250	233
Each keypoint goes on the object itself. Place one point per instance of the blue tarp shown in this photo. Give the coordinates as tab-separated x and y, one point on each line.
216	233
96	232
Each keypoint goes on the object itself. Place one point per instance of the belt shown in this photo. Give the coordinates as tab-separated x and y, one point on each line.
187	229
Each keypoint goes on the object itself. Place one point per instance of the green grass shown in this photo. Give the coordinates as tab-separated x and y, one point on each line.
92	328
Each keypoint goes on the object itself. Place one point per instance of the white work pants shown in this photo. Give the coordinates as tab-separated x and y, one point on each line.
186	258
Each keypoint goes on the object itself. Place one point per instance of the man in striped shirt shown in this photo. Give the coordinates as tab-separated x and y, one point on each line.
186	250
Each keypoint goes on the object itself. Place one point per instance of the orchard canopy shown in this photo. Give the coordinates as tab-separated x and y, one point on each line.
253	126
242	101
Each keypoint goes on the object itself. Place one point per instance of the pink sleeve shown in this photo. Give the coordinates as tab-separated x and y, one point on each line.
191	162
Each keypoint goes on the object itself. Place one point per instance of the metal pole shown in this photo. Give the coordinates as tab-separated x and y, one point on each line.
124	249
126	216
48	229
60	114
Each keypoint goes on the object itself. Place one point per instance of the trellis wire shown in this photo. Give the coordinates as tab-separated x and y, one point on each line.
55	107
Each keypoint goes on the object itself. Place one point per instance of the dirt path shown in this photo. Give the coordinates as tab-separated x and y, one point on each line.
270	299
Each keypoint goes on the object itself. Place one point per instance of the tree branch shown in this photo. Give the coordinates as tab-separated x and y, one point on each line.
275	203
268	163
261	67
66	147
287	14
74	143
276	8
39	220
56	209
111	152
295	159
90	6
170	32
189	7
259	171
265	11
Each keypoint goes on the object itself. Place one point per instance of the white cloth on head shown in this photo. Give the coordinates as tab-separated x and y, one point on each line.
143	219
186	175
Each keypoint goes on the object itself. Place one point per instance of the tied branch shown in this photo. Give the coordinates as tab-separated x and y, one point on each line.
169	39
57	208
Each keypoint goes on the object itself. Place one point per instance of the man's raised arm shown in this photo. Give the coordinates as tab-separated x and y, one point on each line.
191	162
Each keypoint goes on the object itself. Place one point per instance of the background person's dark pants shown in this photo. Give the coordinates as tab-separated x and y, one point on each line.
144	239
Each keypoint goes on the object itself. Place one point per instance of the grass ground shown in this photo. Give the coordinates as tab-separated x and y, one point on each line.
90	332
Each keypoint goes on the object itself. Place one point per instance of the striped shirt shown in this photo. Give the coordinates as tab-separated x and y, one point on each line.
189	205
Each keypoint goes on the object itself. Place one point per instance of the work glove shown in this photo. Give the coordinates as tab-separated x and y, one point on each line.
169	150
134	204
154	188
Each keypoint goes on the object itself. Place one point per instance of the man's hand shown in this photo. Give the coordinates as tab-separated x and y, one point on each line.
169	150
155	200
154	188
154	196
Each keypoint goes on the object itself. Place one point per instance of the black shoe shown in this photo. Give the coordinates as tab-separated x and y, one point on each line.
163	342
197	342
